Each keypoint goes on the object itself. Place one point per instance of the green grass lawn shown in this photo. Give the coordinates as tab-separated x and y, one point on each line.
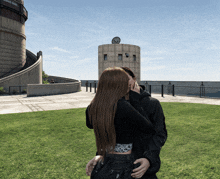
57	144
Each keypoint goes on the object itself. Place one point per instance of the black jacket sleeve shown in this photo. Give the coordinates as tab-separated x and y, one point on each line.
137	116
134	113
158	120
151	144
157	140
152	155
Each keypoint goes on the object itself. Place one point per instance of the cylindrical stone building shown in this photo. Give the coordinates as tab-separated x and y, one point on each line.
120	55
12	36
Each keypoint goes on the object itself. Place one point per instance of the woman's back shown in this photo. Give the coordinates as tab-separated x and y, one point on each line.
130	119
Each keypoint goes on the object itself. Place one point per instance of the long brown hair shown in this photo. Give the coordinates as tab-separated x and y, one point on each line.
112	86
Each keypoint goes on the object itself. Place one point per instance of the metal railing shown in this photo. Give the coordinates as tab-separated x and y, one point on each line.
201	90
16	86
90	86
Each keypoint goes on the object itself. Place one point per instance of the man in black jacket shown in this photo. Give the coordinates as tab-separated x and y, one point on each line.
148	146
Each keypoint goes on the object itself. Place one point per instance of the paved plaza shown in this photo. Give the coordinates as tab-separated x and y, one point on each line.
22	103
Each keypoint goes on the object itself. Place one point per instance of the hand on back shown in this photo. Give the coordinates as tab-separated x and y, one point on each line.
90	165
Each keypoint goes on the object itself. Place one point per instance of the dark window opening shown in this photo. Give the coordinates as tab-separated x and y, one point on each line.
119	56
105	57
134	57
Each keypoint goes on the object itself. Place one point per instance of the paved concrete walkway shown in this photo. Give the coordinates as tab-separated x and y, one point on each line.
22	103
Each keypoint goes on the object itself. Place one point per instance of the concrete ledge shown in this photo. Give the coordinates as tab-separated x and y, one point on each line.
52	89
58	79
32	74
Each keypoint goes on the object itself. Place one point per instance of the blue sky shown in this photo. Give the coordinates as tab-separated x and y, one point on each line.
179	39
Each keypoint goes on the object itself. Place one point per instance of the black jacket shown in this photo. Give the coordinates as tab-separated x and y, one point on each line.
149	146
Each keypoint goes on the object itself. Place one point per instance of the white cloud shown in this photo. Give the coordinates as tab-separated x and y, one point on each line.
87	60
167	52
153	68
49	58
213	47
155	52
74	57
37	18
60	49
151	58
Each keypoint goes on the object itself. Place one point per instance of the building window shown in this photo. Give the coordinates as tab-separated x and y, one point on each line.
105	57
134	57
119	56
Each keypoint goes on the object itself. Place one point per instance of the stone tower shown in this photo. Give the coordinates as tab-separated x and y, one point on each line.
120	55
12	36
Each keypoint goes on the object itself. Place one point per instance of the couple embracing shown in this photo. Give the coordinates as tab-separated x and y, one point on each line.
129	127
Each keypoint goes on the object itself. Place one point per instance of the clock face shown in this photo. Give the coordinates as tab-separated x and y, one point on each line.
116	40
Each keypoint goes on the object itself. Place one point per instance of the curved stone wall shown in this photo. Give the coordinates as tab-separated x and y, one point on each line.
61	86
30	60
58	79
30	75
53	89
31	78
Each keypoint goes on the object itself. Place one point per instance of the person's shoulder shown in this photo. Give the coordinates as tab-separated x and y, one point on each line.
122	101
154	99
146	97
121	104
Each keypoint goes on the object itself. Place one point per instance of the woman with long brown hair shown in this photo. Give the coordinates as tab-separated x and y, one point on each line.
116	123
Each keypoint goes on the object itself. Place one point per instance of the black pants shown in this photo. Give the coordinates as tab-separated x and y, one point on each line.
116	166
